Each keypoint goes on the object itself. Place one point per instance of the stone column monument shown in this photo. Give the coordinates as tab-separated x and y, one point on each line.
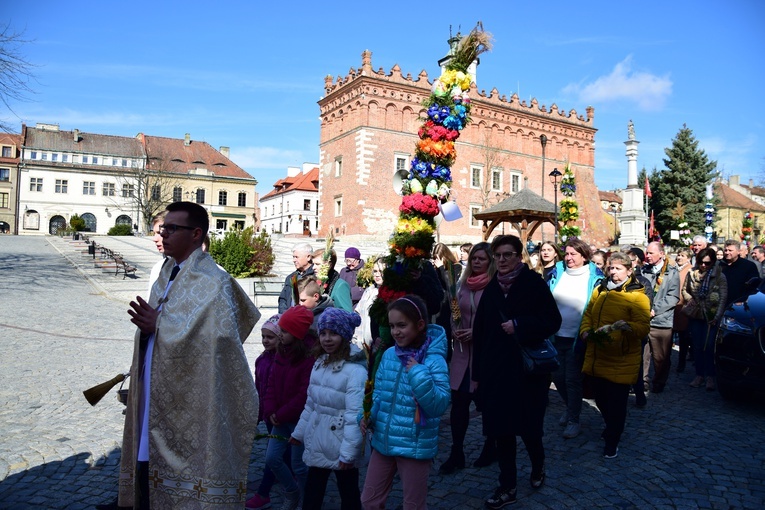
632	219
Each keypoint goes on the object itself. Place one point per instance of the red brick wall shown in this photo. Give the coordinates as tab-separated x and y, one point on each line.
368	117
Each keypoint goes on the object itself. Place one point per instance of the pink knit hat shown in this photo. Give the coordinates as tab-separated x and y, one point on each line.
272	325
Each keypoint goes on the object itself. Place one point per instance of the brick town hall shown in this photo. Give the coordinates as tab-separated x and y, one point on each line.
369	123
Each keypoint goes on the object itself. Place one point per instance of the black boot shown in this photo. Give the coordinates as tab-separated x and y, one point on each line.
455	461
488	454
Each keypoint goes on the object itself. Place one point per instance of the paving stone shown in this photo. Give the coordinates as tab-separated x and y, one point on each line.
64	328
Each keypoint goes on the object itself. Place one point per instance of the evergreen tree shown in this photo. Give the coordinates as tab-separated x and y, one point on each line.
685	178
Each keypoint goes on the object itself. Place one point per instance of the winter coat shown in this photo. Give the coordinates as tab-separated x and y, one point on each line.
287	295
325	302
339	291
327	426
680	320
349	276
462	353
287	386
263	365
398	391
618	360
512	402
363	334
712	306
666	294
596	276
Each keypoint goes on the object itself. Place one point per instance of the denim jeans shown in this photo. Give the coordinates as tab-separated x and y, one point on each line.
568	378
275	459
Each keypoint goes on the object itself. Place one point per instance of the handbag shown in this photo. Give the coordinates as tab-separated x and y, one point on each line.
541	358
692	309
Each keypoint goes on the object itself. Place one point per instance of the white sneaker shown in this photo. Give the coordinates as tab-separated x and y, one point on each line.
572	430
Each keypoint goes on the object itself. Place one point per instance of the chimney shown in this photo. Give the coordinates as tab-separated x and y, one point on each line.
187	140
76	135
225	151
734	180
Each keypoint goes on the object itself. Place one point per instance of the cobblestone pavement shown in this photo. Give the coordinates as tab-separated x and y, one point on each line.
64	328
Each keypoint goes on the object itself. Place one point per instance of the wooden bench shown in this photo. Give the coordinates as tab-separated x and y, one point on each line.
121	265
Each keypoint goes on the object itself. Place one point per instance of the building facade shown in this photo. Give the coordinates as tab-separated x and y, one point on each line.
292	206
369	123
10	145
731	210
112	180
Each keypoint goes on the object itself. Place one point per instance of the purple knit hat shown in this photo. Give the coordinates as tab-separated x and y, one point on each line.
272	325
339	321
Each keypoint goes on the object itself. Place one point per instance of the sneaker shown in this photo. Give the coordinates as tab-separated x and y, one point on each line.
640	400
610	452
257	501
291	500
501	498
697	382
563	419
572	430
710	384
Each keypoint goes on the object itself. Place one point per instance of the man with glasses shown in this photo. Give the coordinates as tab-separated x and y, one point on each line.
350	272
664	279
737	271
192	408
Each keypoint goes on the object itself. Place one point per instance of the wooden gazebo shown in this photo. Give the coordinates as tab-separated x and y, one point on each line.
525	211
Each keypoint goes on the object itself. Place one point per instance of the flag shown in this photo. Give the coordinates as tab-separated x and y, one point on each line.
651	228
648	189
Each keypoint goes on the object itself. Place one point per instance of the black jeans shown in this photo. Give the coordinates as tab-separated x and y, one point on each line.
611	399
347	486
506	451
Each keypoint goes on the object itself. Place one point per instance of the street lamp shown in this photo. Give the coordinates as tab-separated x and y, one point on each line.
543	141
555	177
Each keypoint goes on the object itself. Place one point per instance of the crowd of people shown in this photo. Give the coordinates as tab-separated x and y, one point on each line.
461	336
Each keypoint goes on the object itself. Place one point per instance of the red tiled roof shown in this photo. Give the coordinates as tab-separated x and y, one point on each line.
733	199
755	190
300	182
175	156
609	196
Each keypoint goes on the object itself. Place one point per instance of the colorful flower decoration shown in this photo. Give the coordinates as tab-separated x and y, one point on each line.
447	111
685	233
709	218
746	228
568	209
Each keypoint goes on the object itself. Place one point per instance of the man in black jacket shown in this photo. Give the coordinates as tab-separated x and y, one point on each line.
737	270
302	257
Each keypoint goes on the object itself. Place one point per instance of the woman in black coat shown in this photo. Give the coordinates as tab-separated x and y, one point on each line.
517	306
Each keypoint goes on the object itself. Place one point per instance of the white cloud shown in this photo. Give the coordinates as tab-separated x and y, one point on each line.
647	90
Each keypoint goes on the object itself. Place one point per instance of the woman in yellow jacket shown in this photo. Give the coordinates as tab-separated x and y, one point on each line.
615	322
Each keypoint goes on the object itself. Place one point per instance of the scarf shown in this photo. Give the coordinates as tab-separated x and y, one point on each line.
705	282
477	282
506	280
612	286
418	353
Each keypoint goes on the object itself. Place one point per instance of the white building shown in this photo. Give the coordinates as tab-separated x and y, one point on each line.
292	206
111	180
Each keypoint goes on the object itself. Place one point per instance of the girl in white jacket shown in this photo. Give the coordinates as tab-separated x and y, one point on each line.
327	427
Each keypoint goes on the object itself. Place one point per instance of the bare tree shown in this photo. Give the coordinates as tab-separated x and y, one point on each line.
15	73
492	158
148	186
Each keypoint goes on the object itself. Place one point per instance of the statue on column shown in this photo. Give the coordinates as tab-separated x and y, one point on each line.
631	130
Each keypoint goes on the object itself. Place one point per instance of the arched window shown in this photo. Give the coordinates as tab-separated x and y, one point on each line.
4	228
90	222
123	219
56	223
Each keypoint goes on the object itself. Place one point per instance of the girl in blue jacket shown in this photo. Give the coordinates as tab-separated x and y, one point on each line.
411	393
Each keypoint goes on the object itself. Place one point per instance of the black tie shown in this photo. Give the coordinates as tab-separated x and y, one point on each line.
174	273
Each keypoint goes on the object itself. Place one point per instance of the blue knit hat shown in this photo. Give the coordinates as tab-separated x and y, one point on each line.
339	321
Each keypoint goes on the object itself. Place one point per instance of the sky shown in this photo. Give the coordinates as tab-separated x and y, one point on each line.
248	74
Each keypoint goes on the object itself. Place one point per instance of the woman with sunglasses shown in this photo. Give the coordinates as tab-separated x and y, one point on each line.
705	292
516	308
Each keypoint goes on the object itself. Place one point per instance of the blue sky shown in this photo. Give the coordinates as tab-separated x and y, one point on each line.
248	74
